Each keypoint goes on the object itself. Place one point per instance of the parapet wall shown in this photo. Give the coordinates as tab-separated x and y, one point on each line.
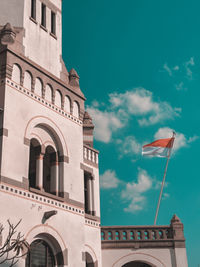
154	245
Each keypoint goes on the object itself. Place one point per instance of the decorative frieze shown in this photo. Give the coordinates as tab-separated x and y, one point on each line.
43	101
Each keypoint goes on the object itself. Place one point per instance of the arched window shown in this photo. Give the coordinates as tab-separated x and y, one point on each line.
35	150
67	104
38	87
48	93
50	171
76	109
27	80
58	99
40	254
89	260
16	73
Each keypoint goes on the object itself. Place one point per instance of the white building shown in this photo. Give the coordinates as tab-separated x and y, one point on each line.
49	173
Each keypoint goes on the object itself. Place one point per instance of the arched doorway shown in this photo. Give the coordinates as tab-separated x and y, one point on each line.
136	264
89	260
40	255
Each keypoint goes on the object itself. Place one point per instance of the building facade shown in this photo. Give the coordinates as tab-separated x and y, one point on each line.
49	174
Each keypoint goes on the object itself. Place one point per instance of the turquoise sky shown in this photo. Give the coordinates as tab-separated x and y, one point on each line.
139	67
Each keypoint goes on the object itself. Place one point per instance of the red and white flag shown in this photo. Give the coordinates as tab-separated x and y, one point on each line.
158	148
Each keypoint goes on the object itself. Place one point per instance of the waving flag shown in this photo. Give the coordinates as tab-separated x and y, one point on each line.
158	148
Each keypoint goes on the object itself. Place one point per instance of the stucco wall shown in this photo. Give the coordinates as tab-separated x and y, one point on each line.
49	54
157	257
18	120
12	11
18	13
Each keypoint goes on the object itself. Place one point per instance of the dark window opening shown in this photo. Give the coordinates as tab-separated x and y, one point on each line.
87	192
136	264
40	254
49	158
33	9
35	150
43	15
53	23
89	260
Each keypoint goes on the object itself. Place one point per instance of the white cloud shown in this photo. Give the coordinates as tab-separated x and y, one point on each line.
185	68
193	138
180	139
129	146
165	196
180	86
109	180
188	64
169	70
158	184
137	203
134	191
138	103
163	112
105	123
176	67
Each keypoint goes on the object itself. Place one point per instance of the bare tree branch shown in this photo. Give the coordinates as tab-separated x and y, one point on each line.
14	246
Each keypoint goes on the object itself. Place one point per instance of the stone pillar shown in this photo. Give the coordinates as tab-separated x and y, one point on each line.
54	178
39	171
179	242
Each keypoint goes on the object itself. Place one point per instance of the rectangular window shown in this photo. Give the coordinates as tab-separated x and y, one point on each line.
43	15
87	192
33	9
53	23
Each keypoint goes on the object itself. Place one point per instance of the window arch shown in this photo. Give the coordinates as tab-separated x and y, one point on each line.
40	254
48	93
76	109
38	87
16	73
67	104
58	99
27	80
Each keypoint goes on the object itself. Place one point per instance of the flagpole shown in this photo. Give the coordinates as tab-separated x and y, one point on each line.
163	183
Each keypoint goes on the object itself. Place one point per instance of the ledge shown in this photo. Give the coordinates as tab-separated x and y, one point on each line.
43	27
53	35
43	193
133	244
33	20
92	217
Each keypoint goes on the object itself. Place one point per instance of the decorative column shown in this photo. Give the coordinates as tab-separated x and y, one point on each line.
39	171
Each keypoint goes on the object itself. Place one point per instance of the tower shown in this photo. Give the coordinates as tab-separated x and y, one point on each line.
48	167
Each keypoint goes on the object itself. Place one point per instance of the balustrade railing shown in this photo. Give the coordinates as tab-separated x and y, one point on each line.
136	233
90	154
